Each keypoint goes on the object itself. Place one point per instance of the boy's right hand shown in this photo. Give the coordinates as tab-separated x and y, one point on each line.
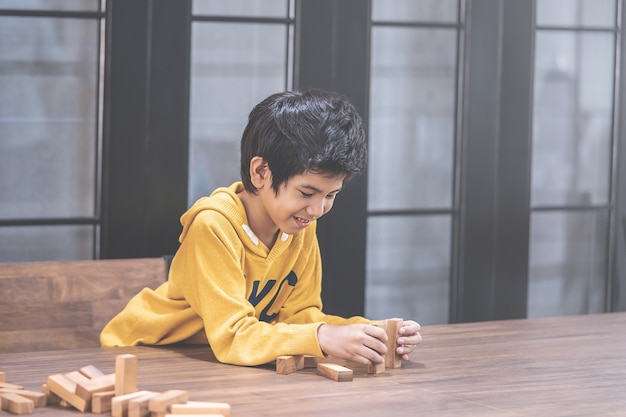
360	343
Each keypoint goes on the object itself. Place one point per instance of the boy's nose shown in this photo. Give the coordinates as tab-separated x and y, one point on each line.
317	210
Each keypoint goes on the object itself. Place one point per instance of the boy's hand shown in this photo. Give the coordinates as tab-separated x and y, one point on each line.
360	343
409	338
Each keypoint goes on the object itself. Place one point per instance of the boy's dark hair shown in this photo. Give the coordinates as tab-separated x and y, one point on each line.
296	132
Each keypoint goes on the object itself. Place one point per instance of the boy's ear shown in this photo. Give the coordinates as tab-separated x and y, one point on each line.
259	172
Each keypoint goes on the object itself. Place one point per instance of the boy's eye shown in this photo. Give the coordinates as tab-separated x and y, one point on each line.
306	195
331	196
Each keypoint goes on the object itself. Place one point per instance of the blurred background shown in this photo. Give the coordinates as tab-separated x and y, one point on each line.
495	186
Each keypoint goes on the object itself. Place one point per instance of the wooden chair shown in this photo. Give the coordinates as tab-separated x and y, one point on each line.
65	305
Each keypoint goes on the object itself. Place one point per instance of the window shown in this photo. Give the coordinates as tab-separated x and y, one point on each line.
412	133
242	52
573	138
50	129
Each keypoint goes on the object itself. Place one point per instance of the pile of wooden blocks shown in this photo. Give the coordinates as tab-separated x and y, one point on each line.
90	390
341	370
15	399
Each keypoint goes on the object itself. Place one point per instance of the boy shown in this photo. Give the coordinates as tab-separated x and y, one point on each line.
246	278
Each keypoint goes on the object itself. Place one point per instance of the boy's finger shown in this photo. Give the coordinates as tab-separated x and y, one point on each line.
377	332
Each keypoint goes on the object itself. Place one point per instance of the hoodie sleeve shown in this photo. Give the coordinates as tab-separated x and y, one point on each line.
208	272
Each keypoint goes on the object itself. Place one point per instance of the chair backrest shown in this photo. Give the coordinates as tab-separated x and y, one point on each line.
65	305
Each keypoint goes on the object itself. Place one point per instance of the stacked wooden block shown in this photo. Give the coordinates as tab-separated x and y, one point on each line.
341	370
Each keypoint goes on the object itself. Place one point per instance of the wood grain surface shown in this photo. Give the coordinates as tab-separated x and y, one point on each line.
567	366
65	305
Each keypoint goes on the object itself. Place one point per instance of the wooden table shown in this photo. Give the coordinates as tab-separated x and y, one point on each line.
568	366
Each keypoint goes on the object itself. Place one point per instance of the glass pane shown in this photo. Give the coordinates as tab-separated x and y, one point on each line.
408	268
76	5
412	118
258	8
46	243
576	13
567	263
572	120
234	66
48	79
415	10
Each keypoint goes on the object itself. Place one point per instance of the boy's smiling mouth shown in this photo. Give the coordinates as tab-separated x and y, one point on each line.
301	221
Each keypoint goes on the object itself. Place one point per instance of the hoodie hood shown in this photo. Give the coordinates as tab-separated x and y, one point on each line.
224	200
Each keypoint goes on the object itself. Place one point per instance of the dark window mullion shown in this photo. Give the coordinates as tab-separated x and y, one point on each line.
332	52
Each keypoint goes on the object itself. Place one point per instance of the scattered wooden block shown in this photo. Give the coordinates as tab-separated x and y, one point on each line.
355	367
161	402
87	388
289	363
77	377
52	398
125	374
16	404
200	407
335	372
299	361
101	401
138	407
310	361
193	415
12	386
376	368
3	377
65	388
91	371
39	398
392	359
119	403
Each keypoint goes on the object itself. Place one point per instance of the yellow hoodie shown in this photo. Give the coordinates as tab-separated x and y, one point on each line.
251	303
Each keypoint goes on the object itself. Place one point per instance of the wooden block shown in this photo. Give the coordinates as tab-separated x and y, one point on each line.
77	377
3	377
119	403
87	388
160	403
201	407
12	386
65	388
378	368
91	371
335	372
289	363
299	360
101	401
392	359
51	397
191	415
125	374
39	398
357	368
80	379
138	407
16	404
310	361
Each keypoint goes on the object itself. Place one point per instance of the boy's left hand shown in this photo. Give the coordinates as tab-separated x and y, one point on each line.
409	338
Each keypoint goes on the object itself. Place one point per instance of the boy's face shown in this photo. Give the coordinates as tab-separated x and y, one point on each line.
302	199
